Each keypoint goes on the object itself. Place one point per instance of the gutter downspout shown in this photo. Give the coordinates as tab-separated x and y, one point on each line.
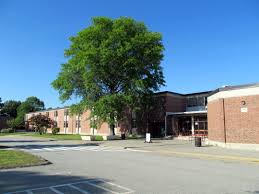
224	121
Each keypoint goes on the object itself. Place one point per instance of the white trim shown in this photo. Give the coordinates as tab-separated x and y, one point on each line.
234	93
186	113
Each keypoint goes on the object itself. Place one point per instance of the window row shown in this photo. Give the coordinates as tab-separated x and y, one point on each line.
78	124
196	101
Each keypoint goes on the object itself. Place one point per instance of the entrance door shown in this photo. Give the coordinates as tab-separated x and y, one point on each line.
185	126
200	126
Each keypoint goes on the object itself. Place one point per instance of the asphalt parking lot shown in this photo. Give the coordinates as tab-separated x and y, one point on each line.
107	168
82	186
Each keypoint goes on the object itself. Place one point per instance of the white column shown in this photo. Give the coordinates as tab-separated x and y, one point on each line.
192	125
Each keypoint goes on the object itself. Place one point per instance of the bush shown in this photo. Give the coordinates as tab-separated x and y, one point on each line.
55	130
8	130
97	138
13	123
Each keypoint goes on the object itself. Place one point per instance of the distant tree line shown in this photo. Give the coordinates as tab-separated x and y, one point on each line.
16	110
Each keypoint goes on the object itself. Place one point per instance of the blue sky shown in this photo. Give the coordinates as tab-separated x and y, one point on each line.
208	43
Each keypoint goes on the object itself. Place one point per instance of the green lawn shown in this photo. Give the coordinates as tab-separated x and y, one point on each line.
57	136
14	158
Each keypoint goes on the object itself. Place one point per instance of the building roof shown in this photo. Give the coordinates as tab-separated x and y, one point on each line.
51	109
228	88
188	94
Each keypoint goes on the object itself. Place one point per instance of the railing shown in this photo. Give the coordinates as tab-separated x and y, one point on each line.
201	133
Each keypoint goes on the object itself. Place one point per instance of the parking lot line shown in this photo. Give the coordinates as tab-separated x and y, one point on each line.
76	188
84	191
127	189
100	187
55	190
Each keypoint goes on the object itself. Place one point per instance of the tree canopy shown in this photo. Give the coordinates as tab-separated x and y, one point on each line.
10	108
31	104
111	64
1	104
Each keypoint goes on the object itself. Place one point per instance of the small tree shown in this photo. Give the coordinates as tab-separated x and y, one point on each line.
40	123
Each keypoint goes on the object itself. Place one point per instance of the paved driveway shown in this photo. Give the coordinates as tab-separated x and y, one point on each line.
124	171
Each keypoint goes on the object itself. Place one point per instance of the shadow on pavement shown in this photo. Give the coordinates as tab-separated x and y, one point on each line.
40	146
23	141
13	181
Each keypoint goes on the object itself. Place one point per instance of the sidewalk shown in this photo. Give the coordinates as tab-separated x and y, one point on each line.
187	149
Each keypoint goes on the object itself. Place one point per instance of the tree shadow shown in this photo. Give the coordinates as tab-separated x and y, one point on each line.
22	141
13	181
42	146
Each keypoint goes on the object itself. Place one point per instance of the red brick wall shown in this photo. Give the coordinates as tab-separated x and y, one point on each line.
241	127
175	103
85	122
216	121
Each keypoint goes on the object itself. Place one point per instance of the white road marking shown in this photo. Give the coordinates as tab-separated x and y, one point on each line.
138	150
72	185
98	186
113	184
55	190
76	188
84	148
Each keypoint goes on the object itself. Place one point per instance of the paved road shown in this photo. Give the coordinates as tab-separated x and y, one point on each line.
87	171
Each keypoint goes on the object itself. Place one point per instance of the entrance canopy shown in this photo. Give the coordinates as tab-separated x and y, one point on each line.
186	123
187	113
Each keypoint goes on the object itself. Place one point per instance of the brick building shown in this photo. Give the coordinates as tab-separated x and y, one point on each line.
228	116
173	114
233	117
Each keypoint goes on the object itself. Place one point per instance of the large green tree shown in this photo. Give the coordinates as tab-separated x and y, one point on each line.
10	108
111	64
31	104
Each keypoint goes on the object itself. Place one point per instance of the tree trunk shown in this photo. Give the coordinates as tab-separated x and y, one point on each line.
112	126
112	131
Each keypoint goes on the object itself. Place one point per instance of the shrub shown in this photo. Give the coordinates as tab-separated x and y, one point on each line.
8	130
97	138
55	130
13	123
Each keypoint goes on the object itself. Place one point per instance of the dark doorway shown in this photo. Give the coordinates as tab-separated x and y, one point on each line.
157	129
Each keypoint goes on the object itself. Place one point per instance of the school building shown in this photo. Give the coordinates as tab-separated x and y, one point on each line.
228	116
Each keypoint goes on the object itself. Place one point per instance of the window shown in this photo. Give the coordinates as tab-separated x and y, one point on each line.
78	124
65	124
56	113
196	101
47	114
78	121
